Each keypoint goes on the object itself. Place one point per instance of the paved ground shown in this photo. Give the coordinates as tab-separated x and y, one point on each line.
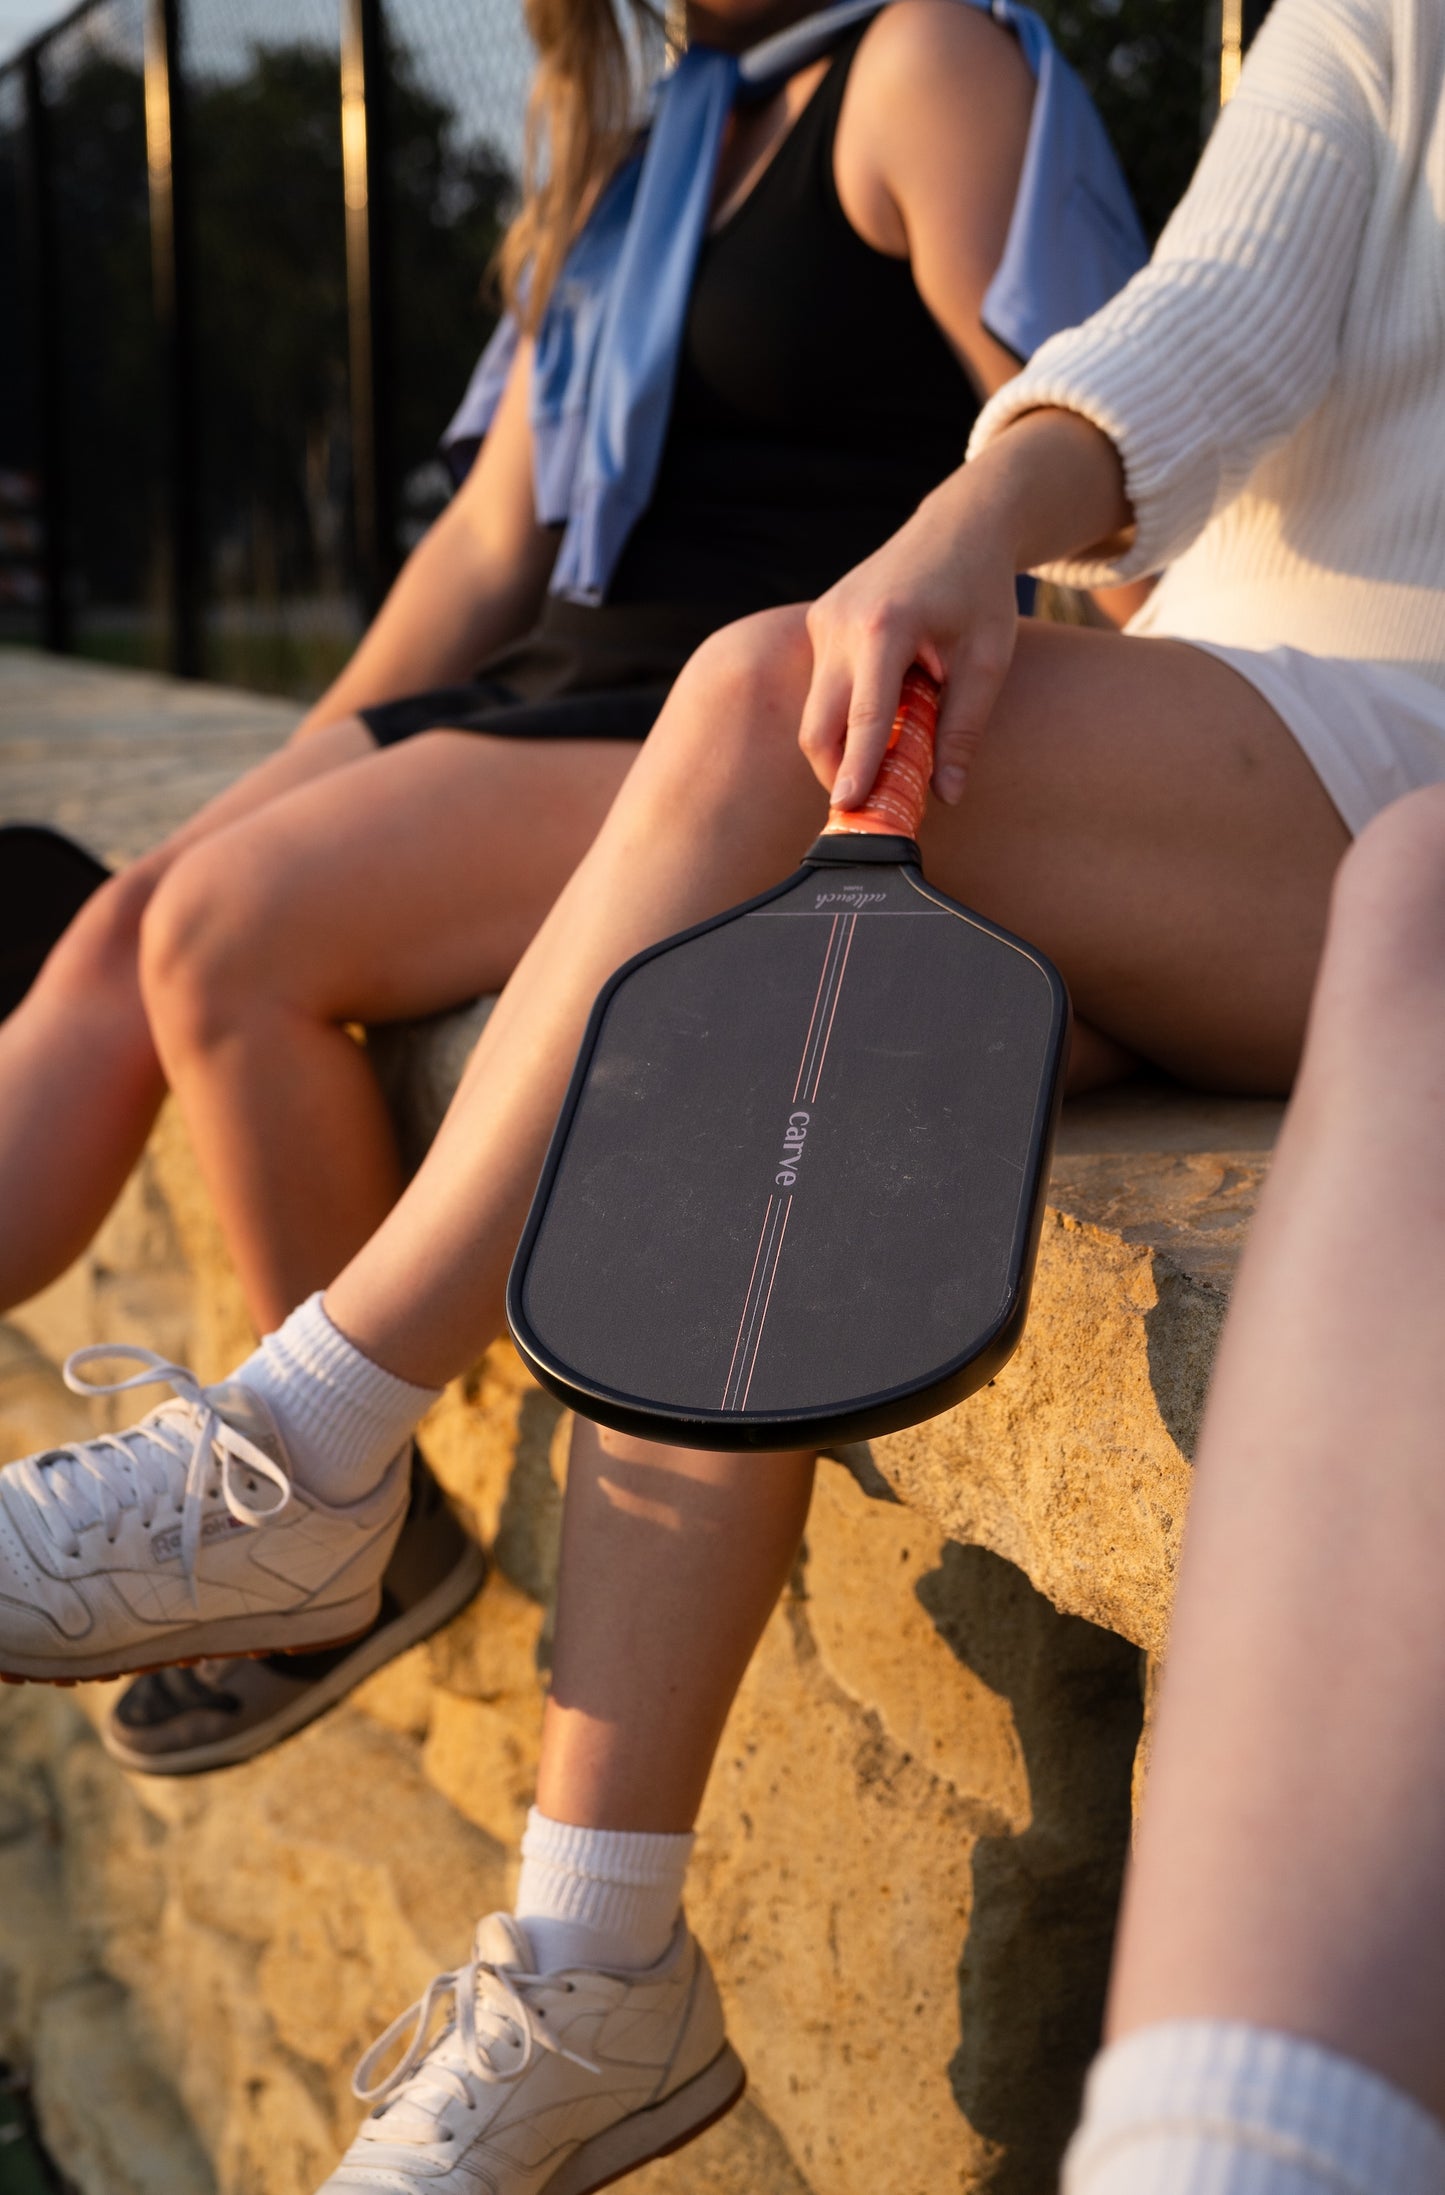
121	757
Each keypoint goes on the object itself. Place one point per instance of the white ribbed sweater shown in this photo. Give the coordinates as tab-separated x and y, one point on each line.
1275	378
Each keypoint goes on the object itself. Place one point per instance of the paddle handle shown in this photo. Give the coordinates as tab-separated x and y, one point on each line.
894	808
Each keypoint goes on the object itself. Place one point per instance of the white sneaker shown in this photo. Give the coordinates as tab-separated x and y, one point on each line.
542	2084
145	1548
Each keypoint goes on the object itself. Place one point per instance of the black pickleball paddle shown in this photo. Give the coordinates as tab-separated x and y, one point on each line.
795	1189
45	880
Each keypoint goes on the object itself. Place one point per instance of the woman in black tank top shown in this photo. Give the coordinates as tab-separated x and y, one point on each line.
291	908
793	450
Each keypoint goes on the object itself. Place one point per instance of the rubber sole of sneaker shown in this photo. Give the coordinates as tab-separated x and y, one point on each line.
657	2132
374	1649
310	1631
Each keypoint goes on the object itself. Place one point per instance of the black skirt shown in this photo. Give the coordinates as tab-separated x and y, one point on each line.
579	674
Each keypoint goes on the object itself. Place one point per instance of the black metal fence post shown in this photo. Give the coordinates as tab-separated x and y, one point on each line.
168	172
365	156
47	356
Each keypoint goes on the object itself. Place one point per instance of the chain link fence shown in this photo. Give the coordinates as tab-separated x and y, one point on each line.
249	243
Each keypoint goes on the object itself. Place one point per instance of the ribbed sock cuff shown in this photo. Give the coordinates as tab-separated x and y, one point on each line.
1216	2107
343	1418
599	1897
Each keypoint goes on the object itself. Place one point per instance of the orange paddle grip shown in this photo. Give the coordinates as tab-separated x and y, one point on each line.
894	808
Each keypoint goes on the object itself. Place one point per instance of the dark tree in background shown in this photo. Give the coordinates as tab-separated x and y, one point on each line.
270	286
111	384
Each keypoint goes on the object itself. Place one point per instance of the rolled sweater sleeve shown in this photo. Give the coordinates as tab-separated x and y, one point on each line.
1228	339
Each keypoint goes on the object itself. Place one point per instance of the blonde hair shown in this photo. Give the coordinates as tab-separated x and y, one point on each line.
580	123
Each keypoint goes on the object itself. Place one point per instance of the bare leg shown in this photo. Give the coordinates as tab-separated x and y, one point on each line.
79	1079
1292	1850
393	890
714	1538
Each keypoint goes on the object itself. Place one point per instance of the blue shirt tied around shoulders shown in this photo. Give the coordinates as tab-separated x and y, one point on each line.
608	346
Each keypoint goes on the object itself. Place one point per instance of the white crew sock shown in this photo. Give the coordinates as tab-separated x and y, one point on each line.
599	1897
1215	2107
342	1417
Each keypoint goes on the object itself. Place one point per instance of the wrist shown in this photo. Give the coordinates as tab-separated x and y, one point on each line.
976	513
1054	486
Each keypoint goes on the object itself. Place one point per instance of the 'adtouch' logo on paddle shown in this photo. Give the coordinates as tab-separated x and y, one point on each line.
849	895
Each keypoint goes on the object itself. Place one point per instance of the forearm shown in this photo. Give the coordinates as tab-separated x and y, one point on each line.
457	598
1051	486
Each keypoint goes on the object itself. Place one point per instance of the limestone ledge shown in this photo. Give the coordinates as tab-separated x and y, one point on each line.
912	1841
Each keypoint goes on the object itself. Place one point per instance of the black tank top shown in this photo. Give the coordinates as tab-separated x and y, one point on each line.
817	400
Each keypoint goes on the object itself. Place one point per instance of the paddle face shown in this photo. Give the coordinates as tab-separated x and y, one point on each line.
45	879
795	1191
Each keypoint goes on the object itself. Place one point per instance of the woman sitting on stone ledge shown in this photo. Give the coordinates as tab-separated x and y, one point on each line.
1278	2011
860	197
1163	812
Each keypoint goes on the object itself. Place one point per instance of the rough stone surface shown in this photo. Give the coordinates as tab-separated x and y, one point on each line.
911	1845
1073	1463
121	757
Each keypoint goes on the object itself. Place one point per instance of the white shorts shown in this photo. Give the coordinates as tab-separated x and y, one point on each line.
1372	732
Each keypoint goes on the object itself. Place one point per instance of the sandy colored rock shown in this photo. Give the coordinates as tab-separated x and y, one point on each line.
118	2126
1074	1462
885	2004
486	1722
929	1704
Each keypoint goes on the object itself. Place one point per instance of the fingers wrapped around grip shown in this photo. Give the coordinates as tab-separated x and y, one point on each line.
929	596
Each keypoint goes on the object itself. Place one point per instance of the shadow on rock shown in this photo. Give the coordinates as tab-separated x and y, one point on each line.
1032	1978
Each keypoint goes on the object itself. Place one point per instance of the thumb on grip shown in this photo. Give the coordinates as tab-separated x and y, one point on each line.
894	807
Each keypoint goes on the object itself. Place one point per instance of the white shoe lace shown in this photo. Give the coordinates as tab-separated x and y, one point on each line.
93	1482
476	2021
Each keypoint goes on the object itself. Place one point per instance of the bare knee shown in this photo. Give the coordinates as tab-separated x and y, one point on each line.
94	963
205	944
1389	898
1384	961
744	685
732	715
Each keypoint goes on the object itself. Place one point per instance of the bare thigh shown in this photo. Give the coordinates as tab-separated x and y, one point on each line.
1141	813
1137	810
399	886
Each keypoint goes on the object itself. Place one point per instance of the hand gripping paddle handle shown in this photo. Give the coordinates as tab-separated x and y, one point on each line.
894	808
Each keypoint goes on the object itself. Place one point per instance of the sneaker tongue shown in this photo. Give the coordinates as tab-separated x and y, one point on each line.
244	1409
502	1941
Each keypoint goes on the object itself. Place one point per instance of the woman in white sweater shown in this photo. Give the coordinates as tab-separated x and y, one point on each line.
1261	411
1163	813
